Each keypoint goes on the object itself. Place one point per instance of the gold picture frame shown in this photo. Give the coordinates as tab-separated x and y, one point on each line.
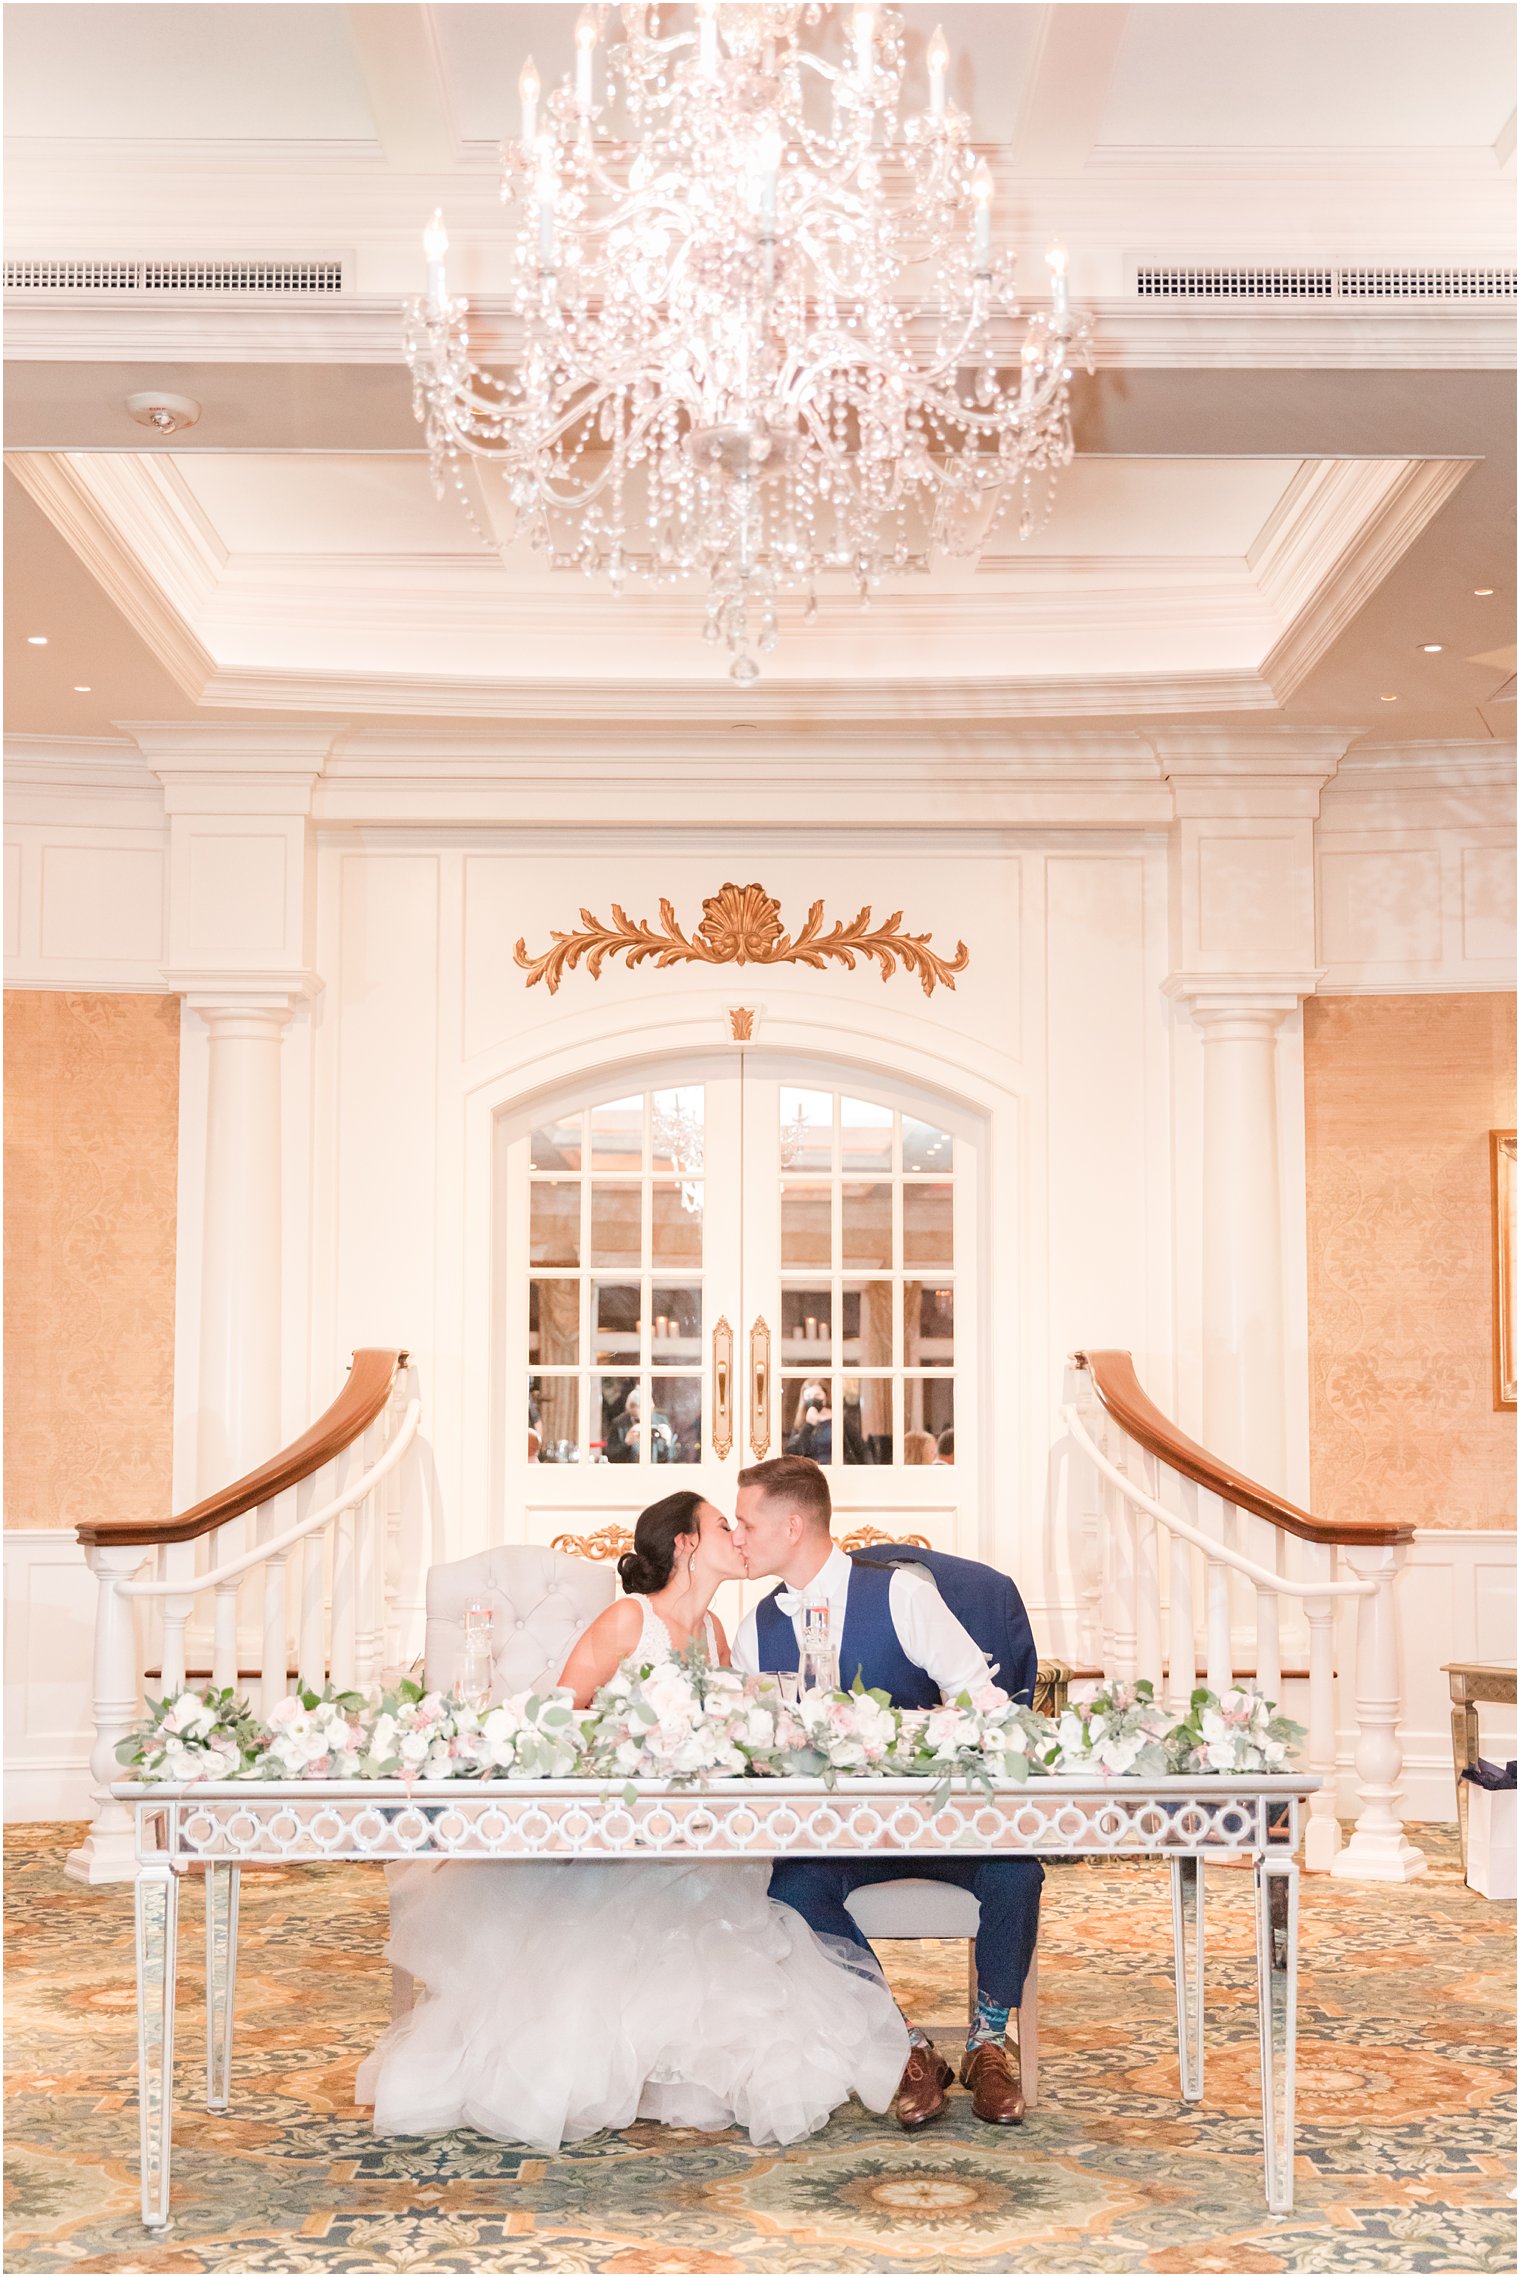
1503	1192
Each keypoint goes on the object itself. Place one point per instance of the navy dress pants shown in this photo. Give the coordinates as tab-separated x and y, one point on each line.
1007	1890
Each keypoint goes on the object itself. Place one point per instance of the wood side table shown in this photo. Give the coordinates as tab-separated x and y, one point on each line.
1472	1681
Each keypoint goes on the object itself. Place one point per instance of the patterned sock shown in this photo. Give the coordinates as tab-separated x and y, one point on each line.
918	2038
991	2023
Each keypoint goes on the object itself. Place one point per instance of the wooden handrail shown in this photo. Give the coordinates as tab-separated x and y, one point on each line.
1122	1395
364	1394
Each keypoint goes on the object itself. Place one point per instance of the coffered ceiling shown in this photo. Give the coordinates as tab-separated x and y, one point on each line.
1278	508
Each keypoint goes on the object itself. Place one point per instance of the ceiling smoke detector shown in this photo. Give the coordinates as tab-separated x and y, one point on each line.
164	412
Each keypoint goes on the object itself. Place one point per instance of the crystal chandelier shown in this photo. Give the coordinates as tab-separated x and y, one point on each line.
724	371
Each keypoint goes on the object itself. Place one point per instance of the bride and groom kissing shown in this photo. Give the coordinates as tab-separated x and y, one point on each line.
564	1998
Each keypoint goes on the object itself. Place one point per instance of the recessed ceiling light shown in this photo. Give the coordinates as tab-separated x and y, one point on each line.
36	640
1483	592
1432	647
1388	699
81	688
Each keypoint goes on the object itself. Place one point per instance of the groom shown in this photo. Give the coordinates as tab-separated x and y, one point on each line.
891	1623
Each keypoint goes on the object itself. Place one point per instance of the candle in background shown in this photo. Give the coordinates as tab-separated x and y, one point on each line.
981	192
1026	384
585	48
435	244
528	89
939	64
1056	256
810	1328
707	37
865	45
547	190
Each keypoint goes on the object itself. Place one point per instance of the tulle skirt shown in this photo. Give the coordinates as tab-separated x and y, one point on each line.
561	1999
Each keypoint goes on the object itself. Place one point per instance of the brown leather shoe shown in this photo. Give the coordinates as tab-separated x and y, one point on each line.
991	2071
921	2091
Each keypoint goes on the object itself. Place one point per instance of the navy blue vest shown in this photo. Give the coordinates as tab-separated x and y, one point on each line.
868	1647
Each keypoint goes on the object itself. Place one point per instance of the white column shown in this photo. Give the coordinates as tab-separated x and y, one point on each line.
108	1851
1378	1849
239	1407
1244	1391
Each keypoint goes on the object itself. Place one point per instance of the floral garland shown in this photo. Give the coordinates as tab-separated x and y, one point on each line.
683	1721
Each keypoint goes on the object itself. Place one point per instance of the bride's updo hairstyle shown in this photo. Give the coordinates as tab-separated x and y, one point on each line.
646	1568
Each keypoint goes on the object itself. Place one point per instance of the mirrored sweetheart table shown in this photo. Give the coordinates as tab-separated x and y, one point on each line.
220	1828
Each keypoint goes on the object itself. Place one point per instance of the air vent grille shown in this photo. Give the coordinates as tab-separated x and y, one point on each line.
256	277
1169	281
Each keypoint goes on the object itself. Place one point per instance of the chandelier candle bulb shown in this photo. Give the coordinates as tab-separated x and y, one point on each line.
546	191
939	64
1026	383
1056	257
981	192
435	244
707	37
528	90
585	48
865	45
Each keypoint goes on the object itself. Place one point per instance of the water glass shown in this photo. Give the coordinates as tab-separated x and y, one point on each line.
475	1669
820	1659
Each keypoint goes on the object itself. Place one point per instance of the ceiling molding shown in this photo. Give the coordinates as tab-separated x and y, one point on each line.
366	329
78	511
1365	515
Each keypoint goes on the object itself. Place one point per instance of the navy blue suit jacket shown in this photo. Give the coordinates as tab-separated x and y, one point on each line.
986	1604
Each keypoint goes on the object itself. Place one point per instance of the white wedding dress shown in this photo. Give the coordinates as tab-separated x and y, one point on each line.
564	1998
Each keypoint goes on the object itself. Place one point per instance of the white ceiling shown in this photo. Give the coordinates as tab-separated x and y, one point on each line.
1282	74
1272	507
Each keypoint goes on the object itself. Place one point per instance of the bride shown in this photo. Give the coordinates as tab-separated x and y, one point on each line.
567	1997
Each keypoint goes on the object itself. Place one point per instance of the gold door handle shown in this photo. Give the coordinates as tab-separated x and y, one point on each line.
760	1389
722	1389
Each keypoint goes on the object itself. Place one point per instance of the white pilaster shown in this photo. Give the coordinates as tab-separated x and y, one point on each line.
1244	803
241	897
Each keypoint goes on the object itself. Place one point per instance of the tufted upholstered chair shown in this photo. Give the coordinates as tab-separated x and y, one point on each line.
542	1601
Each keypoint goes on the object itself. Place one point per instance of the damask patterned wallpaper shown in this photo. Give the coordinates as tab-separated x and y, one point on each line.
1401	1093
91	1140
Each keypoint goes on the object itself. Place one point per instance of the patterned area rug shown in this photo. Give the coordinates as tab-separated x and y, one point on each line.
1405	2135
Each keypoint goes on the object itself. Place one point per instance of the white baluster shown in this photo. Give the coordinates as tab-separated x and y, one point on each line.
1229	1528
176	1562
1147	1590
1216	1673
311	1659
1322	1834
1181	1666
344	1611
367	1572
273	1677
1124	1574
1379	1850
224	1643
108	1852
391	1619
1263	1542
1108	1497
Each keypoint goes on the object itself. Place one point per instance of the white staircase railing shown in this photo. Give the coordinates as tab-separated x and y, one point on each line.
313	1566
1169	1540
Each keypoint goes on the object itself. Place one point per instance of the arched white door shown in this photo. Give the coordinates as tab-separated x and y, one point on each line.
723	1259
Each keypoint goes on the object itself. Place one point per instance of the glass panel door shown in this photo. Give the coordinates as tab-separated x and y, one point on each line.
859	1243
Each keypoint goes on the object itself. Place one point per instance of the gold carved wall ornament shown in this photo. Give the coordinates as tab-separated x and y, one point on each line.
741	925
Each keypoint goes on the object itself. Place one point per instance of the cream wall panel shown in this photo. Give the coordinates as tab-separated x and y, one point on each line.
49	1640
12	899
381	1024
1488	903
1380	907
102	902
85	907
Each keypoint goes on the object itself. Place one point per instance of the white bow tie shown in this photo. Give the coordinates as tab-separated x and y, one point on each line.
793	1601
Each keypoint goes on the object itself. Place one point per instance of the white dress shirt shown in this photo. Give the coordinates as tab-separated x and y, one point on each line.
927	1630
